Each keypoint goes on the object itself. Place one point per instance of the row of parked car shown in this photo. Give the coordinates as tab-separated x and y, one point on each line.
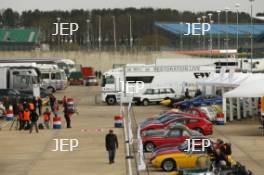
170	135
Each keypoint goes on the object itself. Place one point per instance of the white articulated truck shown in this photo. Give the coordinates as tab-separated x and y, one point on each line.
20	78
178	76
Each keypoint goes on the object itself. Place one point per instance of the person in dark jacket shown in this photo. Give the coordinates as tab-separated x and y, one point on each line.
52	100
34	121
187	95
67	115
111	144
39	105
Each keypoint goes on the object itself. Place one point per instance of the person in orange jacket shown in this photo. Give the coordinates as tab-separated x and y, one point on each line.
26	116
46	118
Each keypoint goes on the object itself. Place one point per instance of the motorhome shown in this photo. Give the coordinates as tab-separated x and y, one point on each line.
53	78
65	64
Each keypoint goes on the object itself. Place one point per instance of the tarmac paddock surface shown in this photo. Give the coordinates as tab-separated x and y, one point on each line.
22	153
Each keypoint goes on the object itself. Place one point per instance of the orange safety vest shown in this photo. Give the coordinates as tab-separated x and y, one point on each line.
46	117
26	115
31	106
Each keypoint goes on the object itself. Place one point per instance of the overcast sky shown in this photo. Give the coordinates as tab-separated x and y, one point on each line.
193	5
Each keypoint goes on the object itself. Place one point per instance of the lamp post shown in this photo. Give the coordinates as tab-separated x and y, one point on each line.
114	31
181	42
58	20
100	33
204	18
227	37
218	37
130	32
199	36
237	10
211	39
251	34
88	32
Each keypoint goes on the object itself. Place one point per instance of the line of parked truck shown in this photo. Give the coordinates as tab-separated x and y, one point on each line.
35	77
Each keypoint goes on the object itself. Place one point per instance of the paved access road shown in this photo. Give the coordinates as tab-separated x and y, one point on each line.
25	154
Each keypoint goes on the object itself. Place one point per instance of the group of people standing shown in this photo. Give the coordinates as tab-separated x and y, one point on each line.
27	112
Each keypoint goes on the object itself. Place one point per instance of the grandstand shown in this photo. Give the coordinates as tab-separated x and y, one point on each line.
175	31
222	29
19	39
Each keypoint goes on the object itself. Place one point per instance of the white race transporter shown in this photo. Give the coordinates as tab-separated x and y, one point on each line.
180	75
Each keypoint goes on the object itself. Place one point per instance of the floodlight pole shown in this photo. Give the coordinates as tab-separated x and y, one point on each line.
251	34
114	31
130	33
218	14
88	32
199	36
204	17
58	20
237	9
211	39
100	33
227	37
181	42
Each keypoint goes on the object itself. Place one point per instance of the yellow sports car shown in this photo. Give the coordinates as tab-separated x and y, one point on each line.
181	157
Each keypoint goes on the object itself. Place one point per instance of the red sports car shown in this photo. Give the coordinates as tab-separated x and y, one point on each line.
201	125
173	137
197	112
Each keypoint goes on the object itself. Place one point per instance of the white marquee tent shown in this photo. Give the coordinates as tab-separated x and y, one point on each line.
237	89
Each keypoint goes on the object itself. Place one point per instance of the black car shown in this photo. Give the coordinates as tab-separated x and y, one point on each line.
11	93
43	93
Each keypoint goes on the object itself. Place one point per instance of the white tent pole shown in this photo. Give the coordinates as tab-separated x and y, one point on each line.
231	114
238	109
224	108
223	90
250	107
256	106
244	108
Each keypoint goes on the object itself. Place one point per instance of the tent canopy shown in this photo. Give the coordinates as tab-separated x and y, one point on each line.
252	87
226	79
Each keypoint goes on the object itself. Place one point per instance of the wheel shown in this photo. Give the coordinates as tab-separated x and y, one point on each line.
168	165
149	147
145	102
51	89
203	162
111	100
198	130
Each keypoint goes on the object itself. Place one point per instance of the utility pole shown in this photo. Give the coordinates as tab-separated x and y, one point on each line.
251	34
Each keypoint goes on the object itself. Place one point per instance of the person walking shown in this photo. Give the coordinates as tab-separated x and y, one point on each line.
46	119
99	74
111	144
34	121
